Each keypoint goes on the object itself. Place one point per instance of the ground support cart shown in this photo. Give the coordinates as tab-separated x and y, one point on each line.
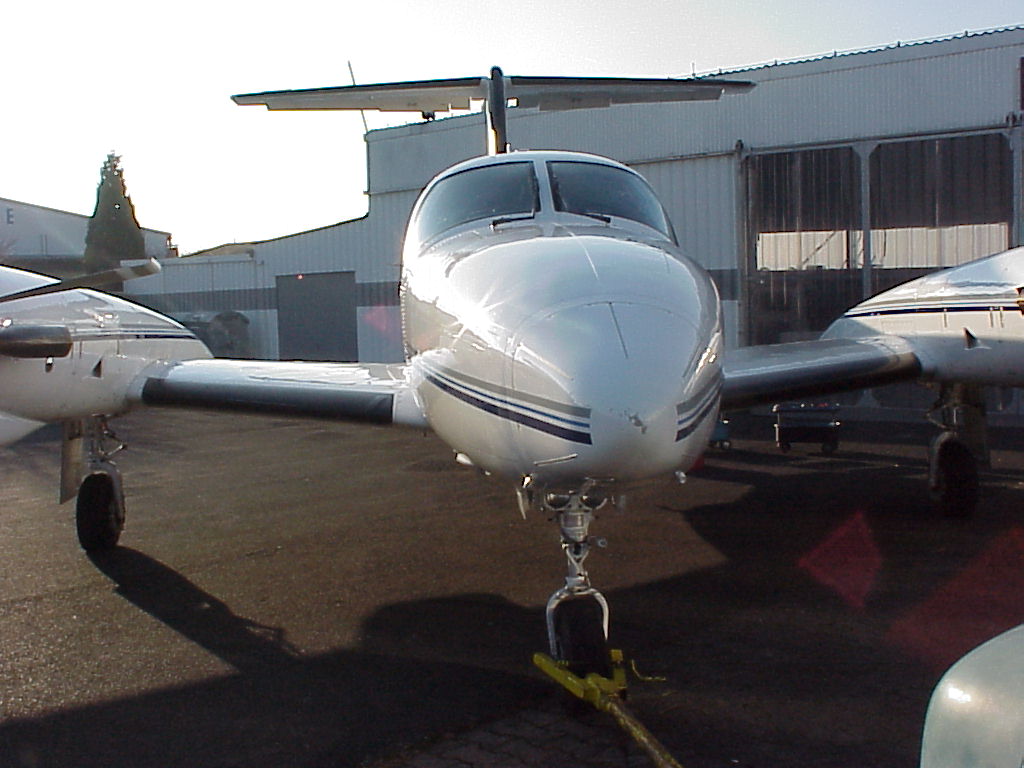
806	423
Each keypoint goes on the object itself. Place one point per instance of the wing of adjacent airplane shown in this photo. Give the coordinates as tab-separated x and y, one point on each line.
774	372
374	393
43	286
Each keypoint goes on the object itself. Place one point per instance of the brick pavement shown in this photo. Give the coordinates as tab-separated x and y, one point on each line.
552	736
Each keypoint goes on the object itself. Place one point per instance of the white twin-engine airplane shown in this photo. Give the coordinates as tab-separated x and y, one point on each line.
556	337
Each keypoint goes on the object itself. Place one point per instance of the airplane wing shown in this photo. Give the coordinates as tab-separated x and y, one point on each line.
374	393
385	394
775	372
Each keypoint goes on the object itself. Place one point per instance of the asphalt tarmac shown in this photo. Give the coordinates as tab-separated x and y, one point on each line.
294	594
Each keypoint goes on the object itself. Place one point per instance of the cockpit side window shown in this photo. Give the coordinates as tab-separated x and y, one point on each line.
591	189
485	192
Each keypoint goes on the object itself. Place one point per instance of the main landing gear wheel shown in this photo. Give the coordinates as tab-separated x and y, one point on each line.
99	511
88	474
959	450
954	483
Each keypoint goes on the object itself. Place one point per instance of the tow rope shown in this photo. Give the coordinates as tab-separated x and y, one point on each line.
605	694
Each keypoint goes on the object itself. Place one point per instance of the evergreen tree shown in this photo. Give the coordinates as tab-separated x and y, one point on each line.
114	234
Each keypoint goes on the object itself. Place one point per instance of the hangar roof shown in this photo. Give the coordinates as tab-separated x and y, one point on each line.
898	45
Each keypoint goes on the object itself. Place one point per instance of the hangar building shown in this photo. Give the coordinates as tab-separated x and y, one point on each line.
836	177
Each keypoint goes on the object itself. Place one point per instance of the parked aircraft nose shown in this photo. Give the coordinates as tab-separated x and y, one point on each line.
621	369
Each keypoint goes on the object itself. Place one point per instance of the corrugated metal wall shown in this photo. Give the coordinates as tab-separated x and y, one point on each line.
195	288
948	85
940	86
701	196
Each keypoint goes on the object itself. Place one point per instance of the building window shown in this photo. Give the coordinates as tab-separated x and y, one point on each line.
805	222
933	203
939	202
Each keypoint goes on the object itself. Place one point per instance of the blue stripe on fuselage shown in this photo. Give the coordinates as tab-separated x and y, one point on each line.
505	412
918	310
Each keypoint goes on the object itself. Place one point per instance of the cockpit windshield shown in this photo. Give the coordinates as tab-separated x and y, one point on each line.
490	191
591	189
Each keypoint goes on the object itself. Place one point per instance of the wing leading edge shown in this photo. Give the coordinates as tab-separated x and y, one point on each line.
377	393
774	372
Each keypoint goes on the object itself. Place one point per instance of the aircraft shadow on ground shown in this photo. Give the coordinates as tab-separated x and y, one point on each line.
282	708
842	599
767	663
198	616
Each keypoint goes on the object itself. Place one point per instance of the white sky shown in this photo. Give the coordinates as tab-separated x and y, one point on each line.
152	82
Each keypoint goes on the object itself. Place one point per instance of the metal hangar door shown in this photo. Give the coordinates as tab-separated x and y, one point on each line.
316	317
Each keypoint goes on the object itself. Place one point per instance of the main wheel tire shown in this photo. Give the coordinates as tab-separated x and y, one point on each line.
956	485
579	637
99	513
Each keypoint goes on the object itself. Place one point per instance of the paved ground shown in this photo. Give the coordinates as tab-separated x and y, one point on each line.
294	594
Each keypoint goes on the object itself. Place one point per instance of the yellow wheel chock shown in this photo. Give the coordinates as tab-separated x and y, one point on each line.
605	695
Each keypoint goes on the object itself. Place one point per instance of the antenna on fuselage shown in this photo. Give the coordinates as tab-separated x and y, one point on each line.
544	93
362	112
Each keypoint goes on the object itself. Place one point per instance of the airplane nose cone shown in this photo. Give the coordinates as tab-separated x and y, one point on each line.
623	367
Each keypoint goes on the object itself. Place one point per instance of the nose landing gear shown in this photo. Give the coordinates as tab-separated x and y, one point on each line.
577	614
577	620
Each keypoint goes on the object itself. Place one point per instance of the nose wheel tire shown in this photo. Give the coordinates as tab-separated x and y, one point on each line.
579	637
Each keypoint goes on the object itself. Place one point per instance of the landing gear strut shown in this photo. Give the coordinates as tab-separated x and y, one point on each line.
577	618
577	614
956	452
88	473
